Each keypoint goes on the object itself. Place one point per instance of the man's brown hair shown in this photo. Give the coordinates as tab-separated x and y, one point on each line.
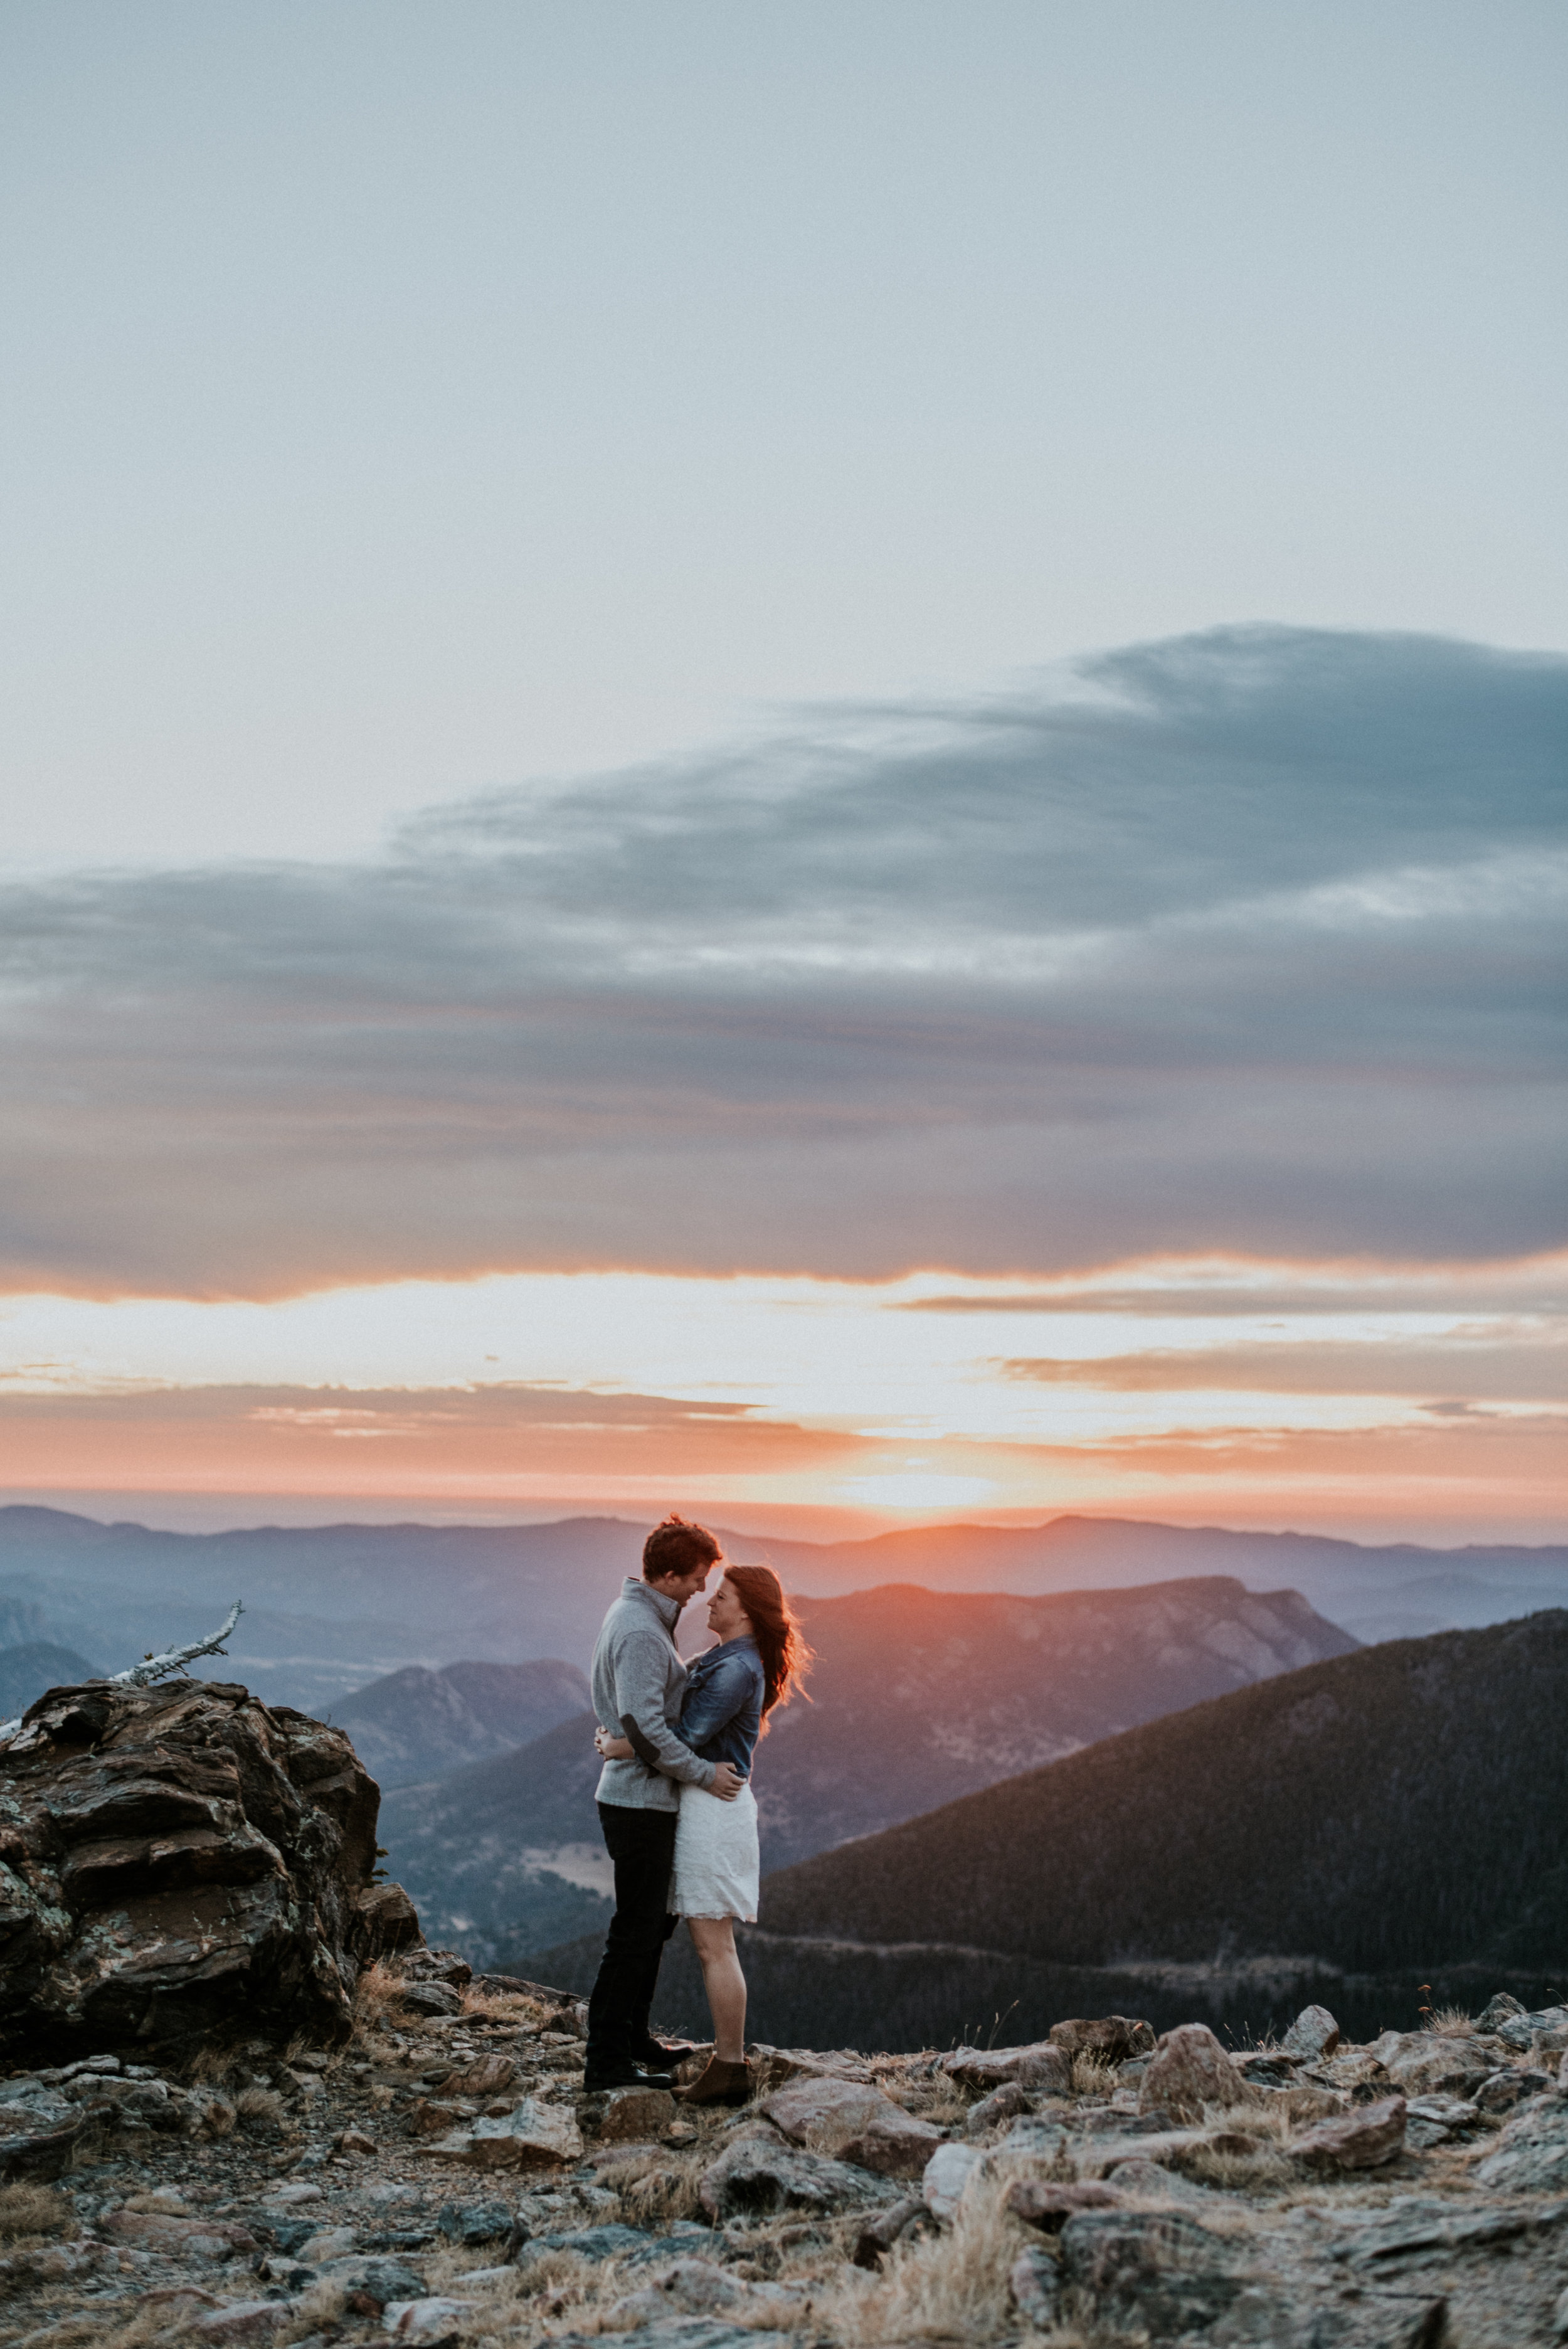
676	1547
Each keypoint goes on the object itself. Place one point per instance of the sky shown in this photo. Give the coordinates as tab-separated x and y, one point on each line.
805	758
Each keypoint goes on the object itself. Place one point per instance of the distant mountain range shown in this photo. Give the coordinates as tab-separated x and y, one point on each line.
918	1696
331	1607
1371	1823
34	1665
417	1723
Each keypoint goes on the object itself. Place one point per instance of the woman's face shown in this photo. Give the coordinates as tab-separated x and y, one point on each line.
726	1615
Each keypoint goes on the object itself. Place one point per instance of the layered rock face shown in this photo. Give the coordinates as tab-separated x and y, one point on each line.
179	1858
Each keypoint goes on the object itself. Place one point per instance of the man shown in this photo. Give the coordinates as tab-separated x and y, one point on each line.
638	1680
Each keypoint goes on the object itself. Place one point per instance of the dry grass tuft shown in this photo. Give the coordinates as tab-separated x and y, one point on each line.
495	2006
948	2287
318	2306
665	2189
260	2105
1093	2076
377	1998
1450	2023
34	2210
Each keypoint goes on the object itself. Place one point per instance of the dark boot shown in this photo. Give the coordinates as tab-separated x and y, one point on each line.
721	2083
620	2072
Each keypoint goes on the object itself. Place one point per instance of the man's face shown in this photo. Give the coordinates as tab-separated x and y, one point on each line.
682	1586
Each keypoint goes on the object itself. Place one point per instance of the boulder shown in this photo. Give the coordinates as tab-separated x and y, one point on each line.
1362	2139
894	2143
757	2176
1542	2031
1313	2035
809	2107
179	1861
1000	2105
1497	2011
1113	2037
1531	2154
1424	2063
1189	2070
41	2129
1044	2067
533	2136
1156	2270
1501	2091
631	2115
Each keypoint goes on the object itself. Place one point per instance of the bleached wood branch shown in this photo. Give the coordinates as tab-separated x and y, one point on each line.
153	1668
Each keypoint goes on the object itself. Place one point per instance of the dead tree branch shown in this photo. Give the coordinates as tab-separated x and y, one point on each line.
153	1668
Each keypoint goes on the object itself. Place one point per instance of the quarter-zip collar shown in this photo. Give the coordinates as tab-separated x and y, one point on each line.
668	1610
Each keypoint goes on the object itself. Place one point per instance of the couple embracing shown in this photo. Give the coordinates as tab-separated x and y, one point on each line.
674	1796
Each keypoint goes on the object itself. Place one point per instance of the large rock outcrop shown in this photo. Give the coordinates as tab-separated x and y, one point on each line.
180	1861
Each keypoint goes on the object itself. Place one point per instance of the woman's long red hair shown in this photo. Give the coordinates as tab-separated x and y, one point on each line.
780	1639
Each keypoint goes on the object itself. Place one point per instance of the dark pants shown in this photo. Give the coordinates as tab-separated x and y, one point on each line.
642	1844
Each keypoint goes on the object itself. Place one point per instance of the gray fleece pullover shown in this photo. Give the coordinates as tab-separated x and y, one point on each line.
638	1681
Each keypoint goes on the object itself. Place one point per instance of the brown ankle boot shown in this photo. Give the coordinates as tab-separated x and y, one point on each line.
721	2083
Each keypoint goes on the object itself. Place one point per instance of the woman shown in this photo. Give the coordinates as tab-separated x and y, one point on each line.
758	1662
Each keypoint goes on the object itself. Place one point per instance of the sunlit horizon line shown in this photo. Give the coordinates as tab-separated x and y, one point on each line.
1156	1268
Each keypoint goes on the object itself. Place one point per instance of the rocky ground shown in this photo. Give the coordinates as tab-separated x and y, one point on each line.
442	2177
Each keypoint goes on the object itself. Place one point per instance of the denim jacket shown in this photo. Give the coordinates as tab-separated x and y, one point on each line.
721	1711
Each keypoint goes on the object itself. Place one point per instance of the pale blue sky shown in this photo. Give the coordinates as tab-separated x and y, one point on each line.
404	401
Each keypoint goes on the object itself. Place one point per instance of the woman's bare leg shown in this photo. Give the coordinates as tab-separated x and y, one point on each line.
714	1938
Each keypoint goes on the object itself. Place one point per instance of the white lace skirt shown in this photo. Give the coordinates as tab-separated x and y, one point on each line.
716	1857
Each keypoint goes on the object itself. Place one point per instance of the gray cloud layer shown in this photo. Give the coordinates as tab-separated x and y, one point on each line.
1250	940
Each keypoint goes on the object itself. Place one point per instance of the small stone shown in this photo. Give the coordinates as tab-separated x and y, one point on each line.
287	2197
807	2106
371	2282
197	2239
879	2235
333	2243
1499	2010
427	2323
1313	2035
242	2320
1363	2138
355	2140
474	2222
486	2077
1035	2281
431	1998
1047	2204
1189	2070
945	2176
